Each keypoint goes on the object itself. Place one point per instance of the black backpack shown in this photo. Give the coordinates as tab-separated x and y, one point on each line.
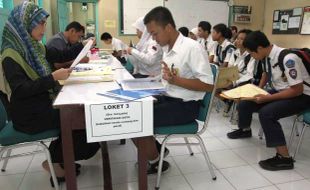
223	52
303	54
246	61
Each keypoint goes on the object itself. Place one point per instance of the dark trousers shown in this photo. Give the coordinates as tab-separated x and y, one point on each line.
269	114
174	111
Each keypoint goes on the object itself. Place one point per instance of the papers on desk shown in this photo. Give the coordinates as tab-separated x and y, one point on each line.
247	91
227	74
141	84
125	95
86	70
81	80
82	54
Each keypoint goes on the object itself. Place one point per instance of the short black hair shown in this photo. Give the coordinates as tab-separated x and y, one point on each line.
234	28
224	30
245	31
205	26
255	39
184	31
160	15
105	36
76	26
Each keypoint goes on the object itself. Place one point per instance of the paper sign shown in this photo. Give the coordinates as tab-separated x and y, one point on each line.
294	22
284	22
119	120
82	54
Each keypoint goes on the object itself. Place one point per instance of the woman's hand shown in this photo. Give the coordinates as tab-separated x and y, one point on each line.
61	74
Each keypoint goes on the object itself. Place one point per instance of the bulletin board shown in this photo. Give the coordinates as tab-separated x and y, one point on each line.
287	21
305	26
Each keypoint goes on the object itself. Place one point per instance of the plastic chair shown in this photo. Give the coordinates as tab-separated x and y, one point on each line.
11	139
306	123
188	130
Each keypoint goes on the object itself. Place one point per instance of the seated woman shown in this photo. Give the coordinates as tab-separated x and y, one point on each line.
30	81
147	55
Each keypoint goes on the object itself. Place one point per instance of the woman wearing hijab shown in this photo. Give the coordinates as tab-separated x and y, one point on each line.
30	82
147	55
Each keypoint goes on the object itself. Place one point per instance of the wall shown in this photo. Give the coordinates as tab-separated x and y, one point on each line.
284	40
258	7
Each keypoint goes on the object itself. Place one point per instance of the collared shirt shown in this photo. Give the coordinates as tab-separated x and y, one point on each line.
118	45
190	61
208	45
246	72
295	71
147	60
58	42
221	48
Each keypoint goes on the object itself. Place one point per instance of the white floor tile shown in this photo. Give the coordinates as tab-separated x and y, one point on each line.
203	180
237	143
245	177
253	155
122	153
11	182
36	163
295	185
172	183
17	165
279	176
213	144
35	181
267	188
225	159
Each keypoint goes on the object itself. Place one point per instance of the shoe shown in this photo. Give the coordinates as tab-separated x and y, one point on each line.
153	168
277	163
61	179
158	146
77	166
240	133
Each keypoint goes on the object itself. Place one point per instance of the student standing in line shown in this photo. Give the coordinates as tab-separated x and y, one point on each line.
224	48
118	46
29	81
289	95
147	55
204	33
193	34
186	75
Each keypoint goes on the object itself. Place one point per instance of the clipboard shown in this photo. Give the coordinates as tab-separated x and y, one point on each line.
245	92
225	75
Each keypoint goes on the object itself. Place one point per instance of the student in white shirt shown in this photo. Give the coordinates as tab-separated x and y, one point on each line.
204	33
184	31
186	74
224	48
193	34
289	95
117	45
147	55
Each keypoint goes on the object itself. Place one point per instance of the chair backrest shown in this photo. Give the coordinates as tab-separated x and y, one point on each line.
3	116
208	98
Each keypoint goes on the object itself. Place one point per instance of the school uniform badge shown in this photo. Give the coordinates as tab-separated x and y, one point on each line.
293	73
290	63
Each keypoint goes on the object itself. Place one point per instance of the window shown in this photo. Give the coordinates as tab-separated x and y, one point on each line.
1	3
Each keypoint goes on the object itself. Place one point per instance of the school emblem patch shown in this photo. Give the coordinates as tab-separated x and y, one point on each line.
290	63
293	73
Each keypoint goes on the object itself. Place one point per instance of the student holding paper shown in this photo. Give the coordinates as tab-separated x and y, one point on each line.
186	75
147	55
289	95
30	82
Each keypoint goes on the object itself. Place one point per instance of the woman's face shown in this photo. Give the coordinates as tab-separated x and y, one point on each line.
38	32
239	40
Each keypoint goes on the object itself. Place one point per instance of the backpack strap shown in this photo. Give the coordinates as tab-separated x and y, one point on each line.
247	59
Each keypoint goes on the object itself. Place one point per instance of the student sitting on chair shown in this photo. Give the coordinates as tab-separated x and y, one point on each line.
30	82
118	46
234	32
224	49
204	33
193	34
147	55
289	95
245	63
186	75
184	31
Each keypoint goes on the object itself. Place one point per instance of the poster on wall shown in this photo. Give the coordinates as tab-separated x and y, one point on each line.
305	27
286	21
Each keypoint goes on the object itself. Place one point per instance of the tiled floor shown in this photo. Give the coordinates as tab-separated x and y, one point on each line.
234	161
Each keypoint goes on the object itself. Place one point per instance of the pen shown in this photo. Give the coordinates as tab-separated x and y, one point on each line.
172	67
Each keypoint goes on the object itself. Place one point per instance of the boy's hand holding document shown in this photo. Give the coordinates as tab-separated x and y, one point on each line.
245	92
226	76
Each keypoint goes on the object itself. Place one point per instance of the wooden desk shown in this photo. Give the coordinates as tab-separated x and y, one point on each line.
71	101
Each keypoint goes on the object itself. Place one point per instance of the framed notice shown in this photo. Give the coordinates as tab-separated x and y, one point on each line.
305	26
286	21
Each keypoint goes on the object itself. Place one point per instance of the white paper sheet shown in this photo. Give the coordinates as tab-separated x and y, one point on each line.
141	84
83	53
294	22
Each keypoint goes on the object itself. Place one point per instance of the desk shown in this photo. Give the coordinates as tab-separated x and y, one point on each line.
70	102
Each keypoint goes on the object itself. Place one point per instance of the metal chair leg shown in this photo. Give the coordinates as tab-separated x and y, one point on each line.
188	146
300	140
205	153
290	142
261	133
161	160
6	160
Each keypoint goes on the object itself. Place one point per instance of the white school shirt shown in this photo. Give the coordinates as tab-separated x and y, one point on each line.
147	61
245	73
295	71
190	61
229	52
118	45
210	45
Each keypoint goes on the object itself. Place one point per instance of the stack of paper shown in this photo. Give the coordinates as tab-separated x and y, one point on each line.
125	95
141	84
89	71
247	91
81	80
